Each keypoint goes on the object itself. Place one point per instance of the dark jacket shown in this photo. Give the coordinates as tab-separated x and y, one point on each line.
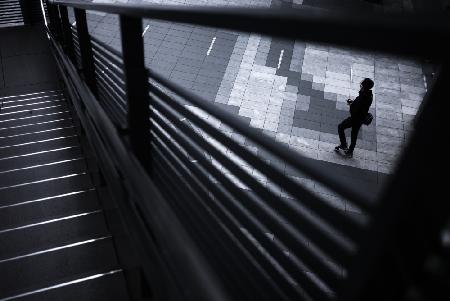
360	106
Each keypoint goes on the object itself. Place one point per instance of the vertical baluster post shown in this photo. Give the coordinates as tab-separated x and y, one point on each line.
67	33
87	56
55	22
137	87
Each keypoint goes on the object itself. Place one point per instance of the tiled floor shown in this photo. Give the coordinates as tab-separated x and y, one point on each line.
292	90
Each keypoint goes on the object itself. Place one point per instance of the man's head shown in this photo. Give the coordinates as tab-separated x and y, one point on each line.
367	84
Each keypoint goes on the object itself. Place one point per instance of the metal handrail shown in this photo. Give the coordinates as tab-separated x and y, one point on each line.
405	34
159	216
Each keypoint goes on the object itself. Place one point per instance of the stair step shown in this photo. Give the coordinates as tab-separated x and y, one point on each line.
109	287
9	3
9	10
50	133
48	208
40	157
35	118
37	101
46	269
30	97
38	110
9	23
58	169
11	14
51	187
14	97
40	145
31	106
30	128
9	6
10	105
62	230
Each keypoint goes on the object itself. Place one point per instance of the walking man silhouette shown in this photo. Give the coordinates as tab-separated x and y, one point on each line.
358	111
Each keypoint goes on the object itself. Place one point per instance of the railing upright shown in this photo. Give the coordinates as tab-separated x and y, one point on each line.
67	33
87	56
55	22
136	87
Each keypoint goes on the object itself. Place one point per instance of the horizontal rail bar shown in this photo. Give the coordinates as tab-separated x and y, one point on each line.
109	67
111	92
118	102
315	203
118	119
105	76
105	47
250	221
413	34
200	235
112	109
251	268
317	235
116	61
341	186
332	215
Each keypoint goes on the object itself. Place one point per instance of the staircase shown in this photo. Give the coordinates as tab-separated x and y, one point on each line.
11	13
54	242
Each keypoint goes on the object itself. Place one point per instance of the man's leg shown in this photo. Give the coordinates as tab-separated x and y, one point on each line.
345	124
354	137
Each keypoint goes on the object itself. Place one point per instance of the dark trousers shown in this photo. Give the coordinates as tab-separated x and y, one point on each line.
349	123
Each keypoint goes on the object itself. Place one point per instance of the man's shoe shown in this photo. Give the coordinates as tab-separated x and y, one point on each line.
339	147
348	153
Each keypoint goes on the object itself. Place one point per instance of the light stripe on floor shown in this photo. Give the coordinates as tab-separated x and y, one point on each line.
280	58
211	46
145	30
